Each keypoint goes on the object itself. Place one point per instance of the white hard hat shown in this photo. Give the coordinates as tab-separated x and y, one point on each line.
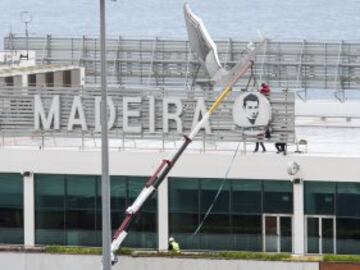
171	239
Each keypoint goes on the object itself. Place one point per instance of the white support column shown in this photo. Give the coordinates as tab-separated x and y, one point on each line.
299	219
163	215
24	80
29	209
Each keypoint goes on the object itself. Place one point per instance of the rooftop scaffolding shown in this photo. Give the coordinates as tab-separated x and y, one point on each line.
164	63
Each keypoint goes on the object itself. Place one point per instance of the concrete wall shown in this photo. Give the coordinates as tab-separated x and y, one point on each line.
31	261
18	81
40	79
191	164
76	77
59	78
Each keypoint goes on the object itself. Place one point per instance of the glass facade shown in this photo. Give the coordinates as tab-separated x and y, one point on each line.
348	218
68	210
50	209
235	219
319	198
246	219
247	214
339	200
11	209
285	234
143	231
277	197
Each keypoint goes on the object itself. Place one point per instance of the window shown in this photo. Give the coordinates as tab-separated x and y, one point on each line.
278	197
49	79
348	194
246	196
50	209
118	200
11	209
32	80
67	78
331	198
215	232
348	218
246	228
68	210
80	226
184	195
235	219
286	234
184	211
348	236
319	198
247	231
9	81
144	226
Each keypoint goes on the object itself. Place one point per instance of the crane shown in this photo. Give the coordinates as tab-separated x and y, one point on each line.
205	49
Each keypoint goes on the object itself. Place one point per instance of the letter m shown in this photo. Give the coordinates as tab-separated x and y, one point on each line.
52	117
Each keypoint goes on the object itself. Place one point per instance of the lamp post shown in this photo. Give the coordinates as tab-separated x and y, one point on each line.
105	179
26	17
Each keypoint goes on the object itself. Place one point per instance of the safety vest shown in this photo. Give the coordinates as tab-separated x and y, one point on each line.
175	247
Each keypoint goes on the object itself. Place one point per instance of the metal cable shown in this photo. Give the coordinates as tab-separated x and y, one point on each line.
217	194
252	77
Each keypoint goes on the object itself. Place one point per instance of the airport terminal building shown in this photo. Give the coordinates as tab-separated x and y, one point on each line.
56	200
217	197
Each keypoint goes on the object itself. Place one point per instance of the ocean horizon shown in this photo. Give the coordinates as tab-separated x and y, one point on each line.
329	20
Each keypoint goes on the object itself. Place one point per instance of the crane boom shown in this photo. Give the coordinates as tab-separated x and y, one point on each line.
199	38
167	164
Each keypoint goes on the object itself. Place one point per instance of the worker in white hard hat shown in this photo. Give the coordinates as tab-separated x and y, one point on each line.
173	245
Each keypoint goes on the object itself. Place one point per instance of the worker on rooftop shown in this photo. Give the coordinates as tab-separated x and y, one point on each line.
265	89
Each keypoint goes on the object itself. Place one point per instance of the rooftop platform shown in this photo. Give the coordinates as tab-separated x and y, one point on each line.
321	140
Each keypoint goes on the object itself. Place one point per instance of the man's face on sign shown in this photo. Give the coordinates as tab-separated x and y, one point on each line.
251	110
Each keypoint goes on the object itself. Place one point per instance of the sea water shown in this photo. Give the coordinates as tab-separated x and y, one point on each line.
239	19
284	20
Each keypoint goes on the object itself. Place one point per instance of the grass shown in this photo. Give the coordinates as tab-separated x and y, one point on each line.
81	250
72	250
229	255
225	255
255	256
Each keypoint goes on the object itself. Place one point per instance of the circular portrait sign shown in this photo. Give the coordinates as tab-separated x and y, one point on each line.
252	113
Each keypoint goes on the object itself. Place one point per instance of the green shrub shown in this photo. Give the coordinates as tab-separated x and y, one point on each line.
227	255
254	256
73	250
82	250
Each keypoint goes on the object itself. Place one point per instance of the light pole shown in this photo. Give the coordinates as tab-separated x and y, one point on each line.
26	17
105	179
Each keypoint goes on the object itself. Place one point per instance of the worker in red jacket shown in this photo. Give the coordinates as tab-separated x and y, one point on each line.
265	89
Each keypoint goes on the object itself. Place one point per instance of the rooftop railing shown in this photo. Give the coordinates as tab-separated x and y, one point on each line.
299	65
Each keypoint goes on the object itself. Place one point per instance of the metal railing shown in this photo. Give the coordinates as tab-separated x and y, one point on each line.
300	65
